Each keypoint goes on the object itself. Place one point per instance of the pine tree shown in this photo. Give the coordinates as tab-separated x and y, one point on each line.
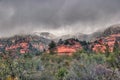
52	47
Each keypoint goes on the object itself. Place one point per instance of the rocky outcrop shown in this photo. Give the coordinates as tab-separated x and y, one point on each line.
24	44
67	47
106	43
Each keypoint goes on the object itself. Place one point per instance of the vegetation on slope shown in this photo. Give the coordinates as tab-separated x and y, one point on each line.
81	66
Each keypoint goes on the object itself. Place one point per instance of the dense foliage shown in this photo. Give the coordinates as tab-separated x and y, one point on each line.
81	66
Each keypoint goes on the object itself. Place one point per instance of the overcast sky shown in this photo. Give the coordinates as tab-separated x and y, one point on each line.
57	16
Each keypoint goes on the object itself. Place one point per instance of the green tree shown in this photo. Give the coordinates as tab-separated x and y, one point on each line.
52	47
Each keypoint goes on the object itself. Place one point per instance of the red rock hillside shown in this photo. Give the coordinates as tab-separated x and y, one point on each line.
105	43
24	44
68	47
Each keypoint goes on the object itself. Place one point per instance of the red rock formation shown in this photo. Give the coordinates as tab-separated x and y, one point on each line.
99	48
68	49
23	45
65	50
106	42
33	43
12	47
23	51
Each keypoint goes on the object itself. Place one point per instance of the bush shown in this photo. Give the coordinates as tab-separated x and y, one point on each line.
62	72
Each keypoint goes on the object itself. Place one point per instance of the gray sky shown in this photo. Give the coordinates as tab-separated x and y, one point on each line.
57	16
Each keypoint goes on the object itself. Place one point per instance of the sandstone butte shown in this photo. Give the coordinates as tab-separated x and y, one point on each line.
106	42
67	49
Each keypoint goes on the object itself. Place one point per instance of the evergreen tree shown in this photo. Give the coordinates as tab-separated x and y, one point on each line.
60	41
52	47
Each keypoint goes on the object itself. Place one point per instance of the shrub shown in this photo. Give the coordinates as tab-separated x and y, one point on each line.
62	72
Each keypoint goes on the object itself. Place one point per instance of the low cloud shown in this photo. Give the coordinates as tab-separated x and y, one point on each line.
59	16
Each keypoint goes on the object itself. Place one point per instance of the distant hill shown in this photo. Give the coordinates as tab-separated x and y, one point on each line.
24	44
82	37
108	39
46	35
79	36
39	41
94	36
114	29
